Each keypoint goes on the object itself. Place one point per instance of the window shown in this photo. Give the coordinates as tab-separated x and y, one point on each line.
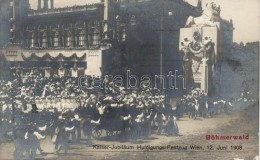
56	40
94	37
133	20
94	33
44	40
33	41
123	33
69	39
28	39
82	38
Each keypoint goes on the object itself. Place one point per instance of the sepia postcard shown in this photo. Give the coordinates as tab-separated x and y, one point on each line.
129	79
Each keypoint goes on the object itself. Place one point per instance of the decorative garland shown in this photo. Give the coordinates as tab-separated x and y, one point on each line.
52	58
205	47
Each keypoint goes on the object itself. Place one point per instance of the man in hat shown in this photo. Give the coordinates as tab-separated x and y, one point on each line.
202	105
171	126
159	120
87	128
63	136
179	113
24	103
210	107
34	107
76	133
19	141
196	108
147	123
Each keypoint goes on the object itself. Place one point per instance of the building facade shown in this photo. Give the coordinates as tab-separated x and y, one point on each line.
53	40
132	33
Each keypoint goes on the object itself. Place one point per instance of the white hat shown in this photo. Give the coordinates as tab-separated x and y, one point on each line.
121	88
113	105
77	117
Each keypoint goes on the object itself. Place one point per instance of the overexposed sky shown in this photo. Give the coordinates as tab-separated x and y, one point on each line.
245	15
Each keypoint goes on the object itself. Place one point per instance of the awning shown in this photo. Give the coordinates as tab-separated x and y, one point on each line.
52	57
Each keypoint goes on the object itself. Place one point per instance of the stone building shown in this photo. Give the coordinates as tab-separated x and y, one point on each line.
53	40
85	38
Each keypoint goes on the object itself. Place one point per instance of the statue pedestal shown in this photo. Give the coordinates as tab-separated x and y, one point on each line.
200	44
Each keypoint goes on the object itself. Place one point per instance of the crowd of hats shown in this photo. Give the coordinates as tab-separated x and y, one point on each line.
34	87
46	92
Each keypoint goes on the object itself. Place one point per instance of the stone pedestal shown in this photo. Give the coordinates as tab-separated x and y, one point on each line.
200	48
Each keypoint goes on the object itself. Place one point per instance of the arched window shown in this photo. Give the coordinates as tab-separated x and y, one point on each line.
94	33
95	37
82	38
44	40
69	39
56	40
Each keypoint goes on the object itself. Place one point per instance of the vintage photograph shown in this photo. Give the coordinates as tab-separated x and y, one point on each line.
129	79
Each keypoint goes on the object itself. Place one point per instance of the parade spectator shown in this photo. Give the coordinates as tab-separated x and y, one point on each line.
60	105
87	128
171	126
63	137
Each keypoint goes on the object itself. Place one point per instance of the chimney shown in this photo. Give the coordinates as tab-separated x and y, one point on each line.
39	4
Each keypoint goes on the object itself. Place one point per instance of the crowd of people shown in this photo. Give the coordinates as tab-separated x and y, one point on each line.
198	104
34	106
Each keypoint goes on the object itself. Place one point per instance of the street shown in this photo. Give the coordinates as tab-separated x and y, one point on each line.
192	133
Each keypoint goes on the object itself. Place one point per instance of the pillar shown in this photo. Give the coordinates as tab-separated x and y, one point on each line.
13	20
204	76
48	36
105	29
86	25
73	36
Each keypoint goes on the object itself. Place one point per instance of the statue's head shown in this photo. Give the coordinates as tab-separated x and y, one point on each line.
212	10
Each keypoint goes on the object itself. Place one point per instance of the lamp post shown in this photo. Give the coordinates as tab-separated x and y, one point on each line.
161	45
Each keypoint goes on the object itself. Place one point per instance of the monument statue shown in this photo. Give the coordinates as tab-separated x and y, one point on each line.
198	44
197	54
209	17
